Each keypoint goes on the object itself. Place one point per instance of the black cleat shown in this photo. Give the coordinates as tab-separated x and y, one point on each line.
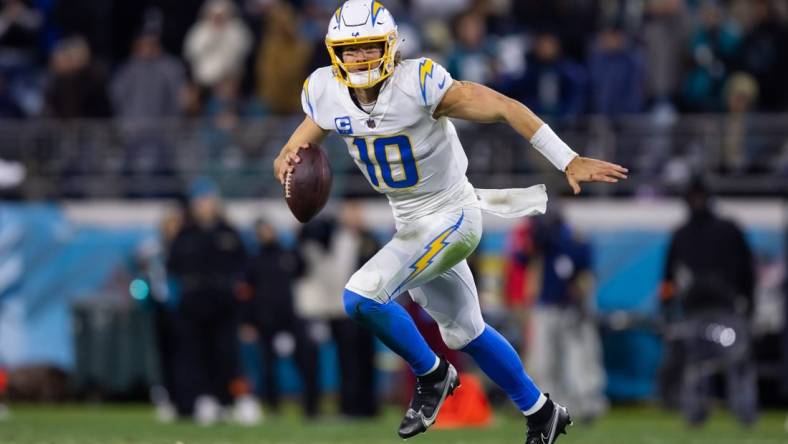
547	432
427	401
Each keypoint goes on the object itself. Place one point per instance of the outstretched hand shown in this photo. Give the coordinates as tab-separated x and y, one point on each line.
585	169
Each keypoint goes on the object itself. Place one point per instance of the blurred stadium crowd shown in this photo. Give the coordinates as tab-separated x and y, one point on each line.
152	66
150	59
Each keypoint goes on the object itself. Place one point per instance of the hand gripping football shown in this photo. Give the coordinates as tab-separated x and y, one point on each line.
308	186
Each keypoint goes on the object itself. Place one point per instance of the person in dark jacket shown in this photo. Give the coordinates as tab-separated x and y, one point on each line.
269	310
709	263
552	84
207	260
707	298
78	85
617	71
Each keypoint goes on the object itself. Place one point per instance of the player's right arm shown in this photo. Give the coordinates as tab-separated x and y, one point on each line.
307	132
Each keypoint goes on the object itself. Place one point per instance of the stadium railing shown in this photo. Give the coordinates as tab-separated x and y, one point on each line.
156	158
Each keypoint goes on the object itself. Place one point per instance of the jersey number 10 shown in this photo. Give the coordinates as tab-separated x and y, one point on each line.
380	160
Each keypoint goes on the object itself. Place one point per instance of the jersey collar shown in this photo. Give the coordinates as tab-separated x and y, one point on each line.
383	103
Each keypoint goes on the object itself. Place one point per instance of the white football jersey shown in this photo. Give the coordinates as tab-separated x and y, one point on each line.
414	159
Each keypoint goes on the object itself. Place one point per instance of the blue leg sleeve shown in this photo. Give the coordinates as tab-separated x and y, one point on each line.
394	326
498	360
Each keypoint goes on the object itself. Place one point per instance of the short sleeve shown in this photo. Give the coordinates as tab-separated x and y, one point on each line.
434	81
307	101
313	97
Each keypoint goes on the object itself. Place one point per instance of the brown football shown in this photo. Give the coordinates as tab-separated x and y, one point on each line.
308	186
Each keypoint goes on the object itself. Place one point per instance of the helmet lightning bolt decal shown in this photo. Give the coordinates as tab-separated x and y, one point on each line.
431	251
375	10
425	69
338	15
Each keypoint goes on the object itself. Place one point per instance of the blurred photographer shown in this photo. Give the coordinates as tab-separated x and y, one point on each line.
707	299
565	354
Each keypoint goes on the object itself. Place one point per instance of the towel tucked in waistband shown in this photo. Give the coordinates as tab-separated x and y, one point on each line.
513	202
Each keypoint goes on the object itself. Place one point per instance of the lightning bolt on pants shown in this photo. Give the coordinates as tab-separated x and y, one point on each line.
427	259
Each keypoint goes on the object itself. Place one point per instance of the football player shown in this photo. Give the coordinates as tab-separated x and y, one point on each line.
394	116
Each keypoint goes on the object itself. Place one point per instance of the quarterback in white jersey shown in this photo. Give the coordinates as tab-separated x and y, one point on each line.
404	152
394	116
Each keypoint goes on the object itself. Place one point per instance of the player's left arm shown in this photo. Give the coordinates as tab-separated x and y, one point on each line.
478	103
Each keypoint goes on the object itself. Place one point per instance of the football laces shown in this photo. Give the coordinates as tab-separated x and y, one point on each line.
288	177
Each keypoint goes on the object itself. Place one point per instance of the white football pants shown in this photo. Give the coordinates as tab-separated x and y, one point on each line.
426	257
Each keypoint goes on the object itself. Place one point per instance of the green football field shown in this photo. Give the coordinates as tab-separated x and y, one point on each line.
123	424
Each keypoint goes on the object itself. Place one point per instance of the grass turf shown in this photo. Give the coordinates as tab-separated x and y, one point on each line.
114	424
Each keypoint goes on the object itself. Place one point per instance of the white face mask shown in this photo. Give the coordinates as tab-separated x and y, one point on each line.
363	77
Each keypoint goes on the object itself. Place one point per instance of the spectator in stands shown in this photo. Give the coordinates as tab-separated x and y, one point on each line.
563	318
765	52
279	84
715	47
270	315
664	36
473	58
207	260
150	85
217	45
224	136
226	105
617	71
743	149
333	250
147	90
553	85
707	295
20	24
76	89
77	86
